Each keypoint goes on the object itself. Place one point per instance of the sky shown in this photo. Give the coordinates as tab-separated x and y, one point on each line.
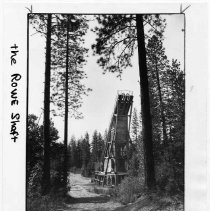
97	108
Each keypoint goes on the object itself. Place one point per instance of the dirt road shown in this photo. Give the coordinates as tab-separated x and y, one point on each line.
85	199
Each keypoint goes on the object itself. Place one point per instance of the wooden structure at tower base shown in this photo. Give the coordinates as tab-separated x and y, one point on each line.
115	166
109	179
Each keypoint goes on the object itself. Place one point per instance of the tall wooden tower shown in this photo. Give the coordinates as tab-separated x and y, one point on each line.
115	154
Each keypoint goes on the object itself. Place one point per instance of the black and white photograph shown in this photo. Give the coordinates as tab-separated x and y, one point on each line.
104	107
106	112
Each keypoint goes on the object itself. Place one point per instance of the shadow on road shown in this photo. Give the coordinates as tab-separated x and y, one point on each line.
97	199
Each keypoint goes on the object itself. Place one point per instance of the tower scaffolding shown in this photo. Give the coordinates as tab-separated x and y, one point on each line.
115	154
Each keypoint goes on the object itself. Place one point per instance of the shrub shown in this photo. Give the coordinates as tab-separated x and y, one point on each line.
130	189
73	169
56	180
44	203
34	181
35	201
133	166
165	178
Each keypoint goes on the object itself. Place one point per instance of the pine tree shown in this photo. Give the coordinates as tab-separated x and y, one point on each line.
75	52
85	147
135	126
101	145
68	90
46	167
157	63
79	154
94	147
73	148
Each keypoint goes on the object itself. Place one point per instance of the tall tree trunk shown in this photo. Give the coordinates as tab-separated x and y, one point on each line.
161	105
65	172
46	167
145	106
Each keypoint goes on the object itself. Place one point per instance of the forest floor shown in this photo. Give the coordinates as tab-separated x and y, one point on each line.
83	197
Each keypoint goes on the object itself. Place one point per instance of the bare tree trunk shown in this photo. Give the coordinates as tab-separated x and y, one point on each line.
145	106
165	138
46	167
65	172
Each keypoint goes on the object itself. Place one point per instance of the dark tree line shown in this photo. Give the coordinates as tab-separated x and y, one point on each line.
35	150
86	154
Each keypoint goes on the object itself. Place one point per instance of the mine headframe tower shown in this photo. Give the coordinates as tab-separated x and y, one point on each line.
117	143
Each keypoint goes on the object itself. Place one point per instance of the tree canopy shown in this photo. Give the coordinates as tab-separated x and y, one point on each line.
116	40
